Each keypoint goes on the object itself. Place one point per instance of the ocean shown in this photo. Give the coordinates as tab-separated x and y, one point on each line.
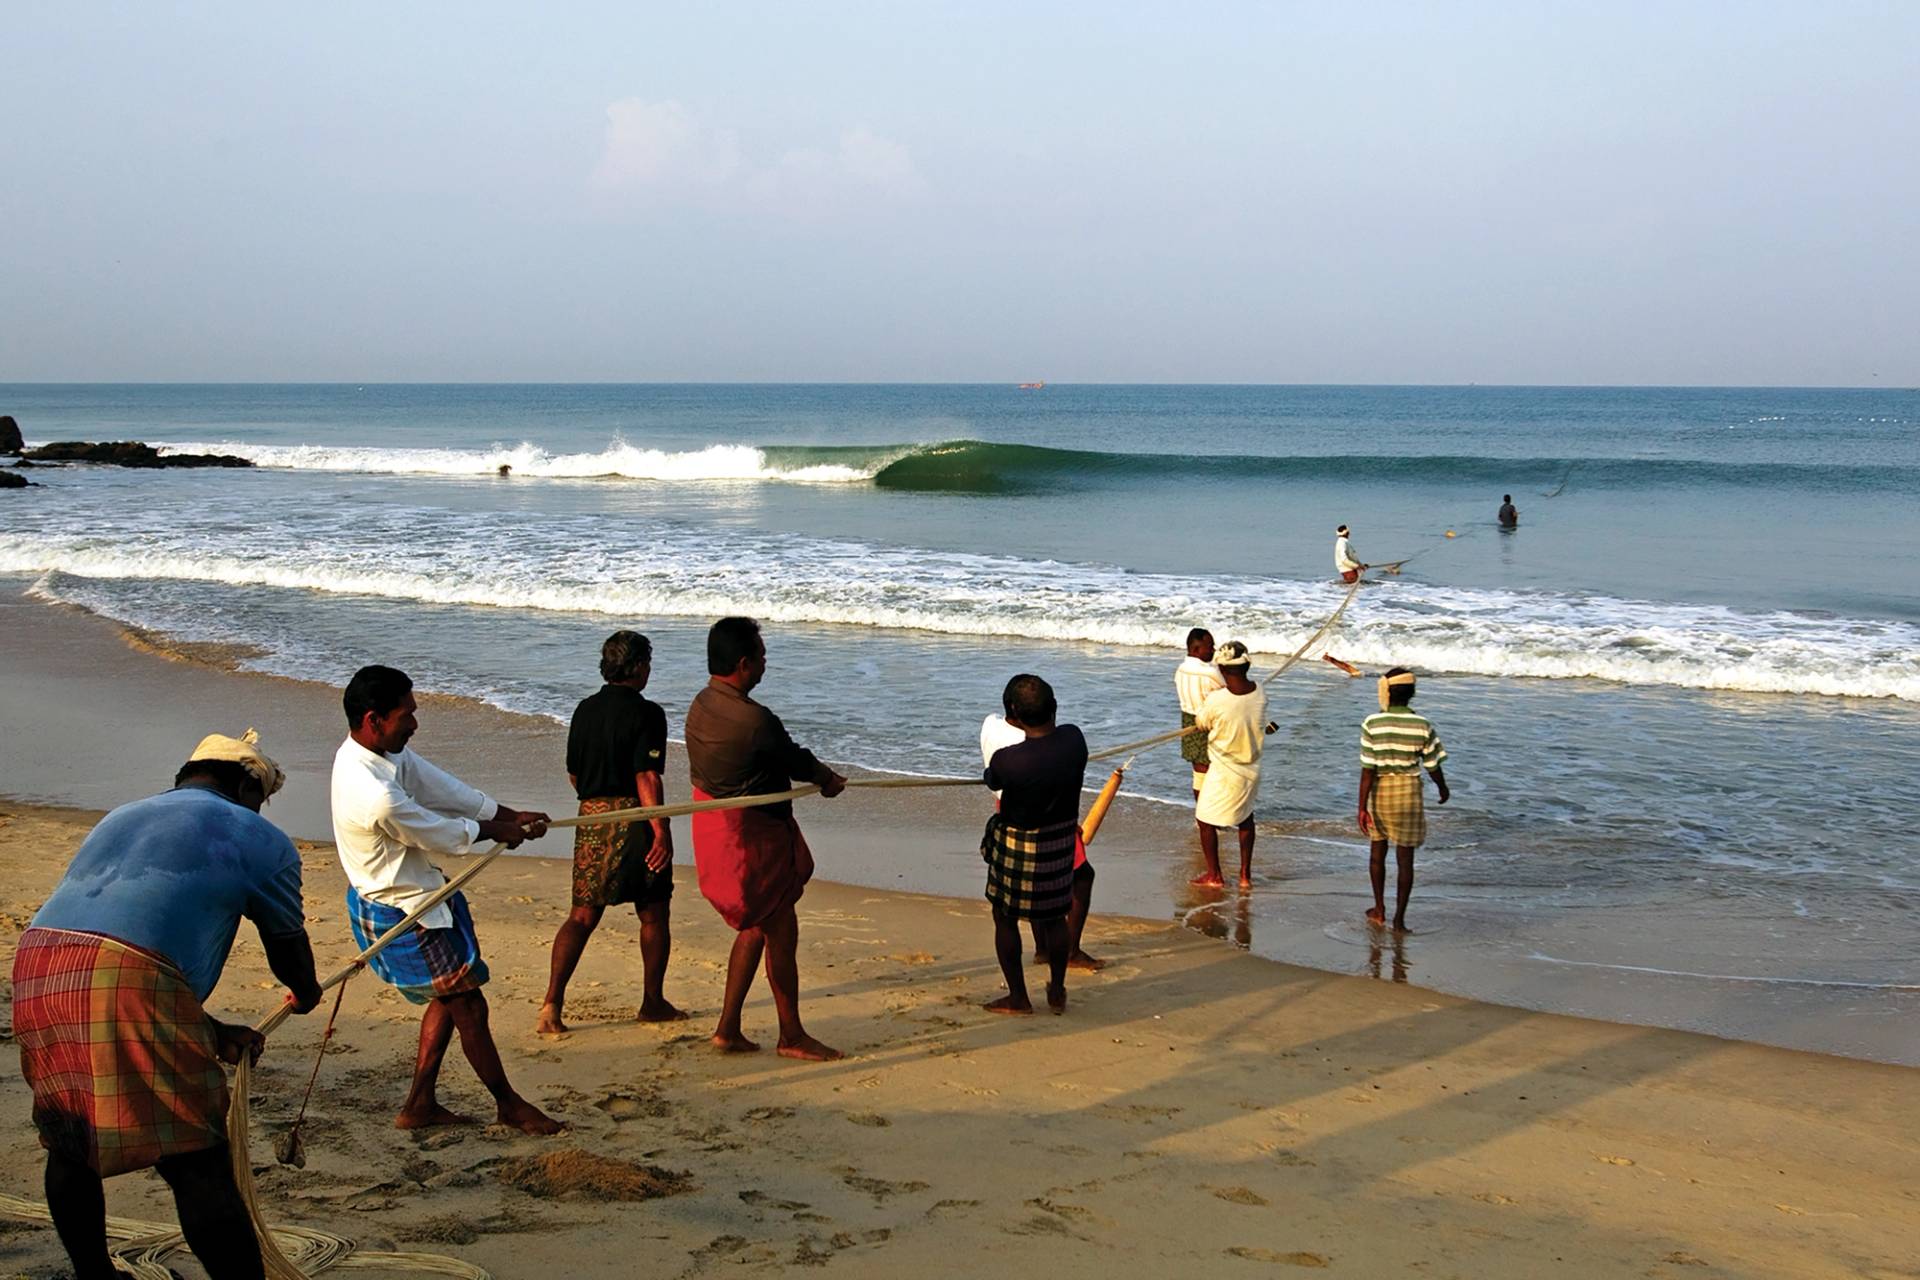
1680	699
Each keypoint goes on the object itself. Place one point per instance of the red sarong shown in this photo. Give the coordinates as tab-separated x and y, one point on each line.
751	864
122	1059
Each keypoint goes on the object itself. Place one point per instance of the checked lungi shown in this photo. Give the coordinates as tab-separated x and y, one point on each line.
123	1061
422	964
610	859
1399	809
1029	869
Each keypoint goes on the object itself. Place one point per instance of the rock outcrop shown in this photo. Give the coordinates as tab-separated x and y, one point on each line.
10	441
129	453
13	480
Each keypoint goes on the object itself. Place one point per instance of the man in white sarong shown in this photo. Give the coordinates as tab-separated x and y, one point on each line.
1235	718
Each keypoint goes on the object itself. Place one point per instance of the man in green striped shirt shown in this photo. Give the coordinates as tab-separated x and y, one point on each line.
1394	746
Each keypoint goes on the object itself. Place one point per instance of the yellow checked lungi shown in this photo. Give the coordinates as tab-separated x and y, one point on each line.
1399	809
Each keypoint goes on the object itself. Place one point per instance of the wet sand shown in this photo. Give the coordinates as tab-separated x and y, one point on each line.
1197	1107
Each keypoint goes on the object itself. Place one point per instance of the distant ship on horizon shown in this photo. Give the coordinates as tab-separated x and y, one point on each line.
1031	386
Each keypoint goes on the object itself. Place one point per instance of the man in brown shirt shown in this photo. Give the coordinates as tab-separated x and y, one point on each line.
753	863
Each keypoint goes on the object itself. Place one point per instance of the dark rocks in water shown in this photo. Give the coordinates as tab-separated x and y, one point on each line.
9	480
10	441
129	453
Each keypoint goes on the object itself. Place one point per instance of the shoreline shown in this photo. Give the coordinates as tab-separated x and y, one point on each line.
56	677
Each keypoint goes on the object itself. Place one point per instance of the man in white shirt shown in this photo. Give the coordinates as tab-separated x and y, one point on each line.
391	810
1193	680
1235	718
1344	560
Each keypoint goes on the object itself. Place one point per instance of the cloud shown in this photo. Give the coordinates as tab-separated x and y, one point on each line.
660	148
661	152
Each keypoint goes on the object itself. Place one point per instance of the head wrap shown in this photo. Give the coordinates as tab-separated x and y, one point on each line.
1389	682
1231	654
244	751
1342	531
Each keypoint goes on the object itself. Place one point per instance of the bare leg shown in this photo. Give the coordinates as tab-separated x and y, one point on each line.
783	975
1210	850
1006	947
1246	854
656	944
213	1217
568	944
1402	886
1054	933
742	963
468	1011
1076	925
422	1107
1377	872
78	1204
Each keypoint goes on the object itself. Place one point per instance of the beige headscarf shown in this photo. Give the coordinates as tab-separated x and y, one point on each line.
1389	682
244	751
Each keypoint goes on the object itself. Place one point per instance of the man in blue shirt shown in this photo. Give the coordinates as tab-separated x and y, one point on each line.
108	981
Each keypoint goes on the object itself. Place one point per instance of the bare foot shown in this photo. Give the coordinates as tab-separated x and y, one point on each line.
1246	882
807	1049
1085	963
1207	880
527	1118
660	1011
549	1023
1018	1006
1376	916
1400	925
733	1043
1057	998
429	1116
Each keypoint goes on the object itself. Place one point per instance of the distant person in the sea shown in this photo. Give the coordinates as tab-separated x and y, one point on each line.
123	1060
1193	680
616	759
392	810
753	863
996	732
1395	745
1235	718
1509	514
1344	560
1030	841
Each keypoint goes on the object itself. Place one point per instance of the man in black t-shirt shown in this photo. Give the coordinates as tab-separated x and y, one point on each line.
616	759
1029	844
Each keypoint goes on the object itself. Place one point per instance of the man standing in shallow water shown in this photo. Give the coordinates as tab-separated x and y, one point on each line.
753	863
1235	718
1394	746
391	809
616	759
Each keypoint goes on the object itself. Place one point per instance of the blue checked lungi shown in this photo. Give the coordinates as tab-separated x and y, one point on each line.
423	964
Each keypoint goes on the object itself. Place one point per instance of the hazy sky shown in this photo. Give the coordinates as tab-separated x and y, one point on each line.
1526	192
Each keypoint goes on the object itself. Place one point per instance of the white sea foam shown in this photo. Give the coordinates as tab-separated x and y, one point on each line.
720	462
558	562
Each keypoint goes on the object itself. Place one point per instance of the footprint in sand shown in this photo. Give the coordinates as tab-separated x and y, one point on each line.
761	1200
627	1106
1494	1197
1299	1259
1619	1160
761	1114
879	1188
1239	1195
870	1120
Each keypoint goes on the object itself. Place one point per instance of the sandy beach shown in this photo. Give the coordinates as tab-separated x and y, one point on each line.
1197	1106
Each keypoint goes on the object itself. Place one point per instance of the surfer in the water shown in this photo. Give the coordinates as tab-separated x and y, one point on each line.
1344	560
1509	514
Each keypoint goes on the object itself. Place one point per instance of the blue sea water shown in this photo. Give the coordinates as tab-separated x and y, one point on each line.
1685	692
